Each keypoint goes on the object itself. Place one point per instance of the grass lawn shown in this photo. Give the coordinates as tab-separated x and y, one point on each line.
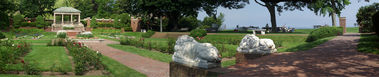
46	58
369	43
49	57
143	52
352	29
119	70
228	63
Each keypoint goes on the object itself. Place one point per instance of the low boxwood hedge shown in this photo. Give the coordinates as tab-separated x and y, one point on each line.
324	32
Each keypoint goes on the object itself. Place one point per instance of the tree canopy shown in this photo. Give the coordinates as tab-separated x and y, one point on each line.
176	9
33	8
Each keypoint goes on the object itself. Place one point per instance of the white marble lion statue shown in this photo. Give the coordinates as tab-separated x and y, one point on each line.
253	45
193	54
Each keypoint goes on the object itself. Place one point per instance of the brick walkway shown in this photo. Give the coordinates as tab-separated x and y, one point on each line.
337	57
147	66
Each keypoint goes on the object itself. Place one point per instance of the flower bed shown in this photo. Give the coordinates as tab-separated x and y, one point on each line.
141	43
85	59
10	53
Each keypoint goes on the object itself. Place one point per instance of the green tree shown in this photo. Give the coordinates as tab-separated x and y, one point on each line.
176	9
209	21
329	7
33	8
273	6
364	17
40	21
17	20
6	6
190	22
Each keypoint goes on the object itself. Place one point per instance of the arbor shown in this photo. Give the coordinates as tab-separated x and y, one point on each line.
33	8
176	9
329	7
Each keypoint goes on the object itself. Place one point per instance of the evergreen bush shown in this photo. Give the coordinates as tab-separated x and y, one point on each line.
198	33
324	32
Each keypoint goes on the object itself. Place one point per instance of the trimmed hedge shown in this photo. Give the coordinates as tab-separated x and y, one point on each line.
324	32
148	34
198	33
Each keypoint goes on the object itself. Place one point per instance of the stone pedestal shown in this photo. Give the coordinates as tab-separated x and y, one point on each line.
343	23
179	70
243	57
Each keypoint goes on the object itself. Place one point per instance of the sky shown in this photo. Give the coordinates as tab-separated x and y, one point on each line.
256	15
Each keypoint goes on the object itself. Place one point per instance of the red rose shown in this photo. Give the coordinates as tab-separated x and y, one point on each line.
22	61
18	46
74	43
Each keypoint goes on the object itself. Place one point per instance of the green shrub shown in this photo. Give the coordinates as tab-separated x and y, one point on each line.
10	52
68	28
148	34
93	22
198	33
84	58
2	36
85	35
28	24
17	19
40	22
57	42
62	35
171	45
364	17
104	24
324	32
31	68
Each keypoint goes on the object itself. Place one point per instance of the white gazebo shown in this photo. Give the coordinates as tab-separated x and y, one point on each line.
73	21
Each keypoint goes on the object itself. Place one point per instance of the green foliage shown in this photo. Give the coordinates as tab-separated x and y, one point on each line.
10	52
4	20
29	8
28	24
93	22
40	22
85	59
2	36
171	45
68	28
364	17
212	20
31	68
327	7
62	35
103	24
198	33
85	35
368	44
57	42
148	34
17	20
190	22
324	32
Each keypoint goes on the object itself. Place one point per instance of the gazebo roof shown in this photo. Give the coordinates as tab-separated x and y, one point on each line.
66	10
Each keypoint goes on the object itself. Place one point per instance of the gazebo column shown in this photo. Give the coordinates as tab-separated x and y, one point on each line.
62	19
71	20
79	18
54	19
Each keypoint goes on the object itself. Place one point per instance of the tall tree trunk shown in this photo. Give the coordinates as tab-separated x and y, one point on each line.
173	19
334	13
271	9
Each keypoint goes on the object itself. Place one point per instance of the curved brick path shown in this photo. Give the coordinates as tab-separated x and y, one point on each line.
337	57
147	66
